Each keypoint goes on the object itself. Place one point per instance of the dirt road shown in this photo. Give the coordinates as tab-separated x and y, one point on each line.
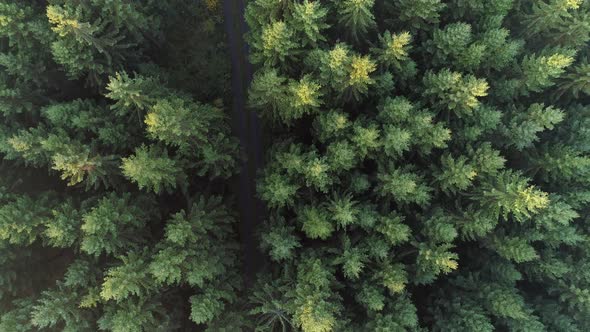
247	127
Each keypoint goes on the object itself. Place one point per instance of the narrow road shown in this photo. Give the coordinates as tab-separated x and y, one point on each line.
246	127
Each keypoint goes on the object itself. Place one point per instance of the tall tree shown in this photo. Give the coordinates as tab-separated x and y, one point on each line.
114	213
436	179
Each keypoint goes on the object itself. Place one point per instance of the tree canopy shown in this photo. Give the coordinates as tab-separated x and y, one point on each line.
426	165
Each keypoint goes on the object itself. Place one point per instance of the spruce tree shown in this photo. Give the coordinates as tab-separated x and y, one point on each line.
427	166
437	179
114	213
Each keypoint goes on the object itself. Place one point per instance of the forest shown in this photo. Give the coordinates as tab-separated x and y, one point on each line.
295	165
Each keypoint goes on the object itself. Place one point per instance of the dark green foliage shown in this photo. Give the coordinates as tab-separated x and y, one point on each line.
112	207
99	38
427	167
438	178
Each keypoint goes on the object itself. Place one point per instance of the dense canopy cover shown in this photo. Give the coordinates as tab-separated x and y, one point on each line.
429	167
114	145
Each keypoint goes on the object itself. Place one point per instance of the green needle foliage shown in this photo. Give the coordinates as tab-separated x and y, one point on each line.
113	207
427	168
436	178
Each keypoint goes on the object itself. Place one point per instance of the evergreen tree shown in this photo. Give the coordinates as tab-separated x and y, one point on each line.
439	182
427	167
112	207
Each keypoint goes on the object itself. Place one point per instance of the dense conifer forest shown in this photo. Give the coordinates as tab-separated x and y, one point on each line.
426	165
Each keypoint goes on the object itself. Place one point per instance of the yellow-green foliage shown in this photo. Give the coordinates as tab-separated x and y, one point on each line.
439	172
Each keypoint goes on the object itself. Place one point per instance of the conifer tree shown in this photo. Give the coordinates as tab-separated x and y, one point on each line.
113	207
440	181
427	167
